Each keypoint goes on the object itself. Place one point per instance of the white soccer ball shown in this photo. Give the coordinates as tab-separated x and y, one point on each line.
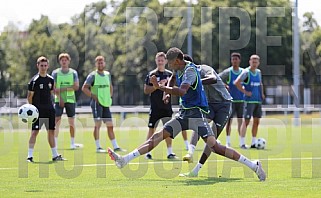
260	143
28	113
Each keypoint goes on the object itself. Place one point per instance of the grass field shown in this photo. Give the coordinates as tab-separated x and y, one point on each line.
292	160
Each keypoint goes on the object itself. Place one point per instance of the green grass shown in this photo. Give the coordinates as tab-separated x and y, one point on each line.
287	159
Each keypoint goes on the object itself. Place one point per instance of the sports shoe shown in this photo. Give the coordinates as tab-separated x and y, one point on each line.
172	156
243	146
100	150
120	150
189	174
253	146
148	156
188	158
259	171
58	158
119	160
76	146
30	159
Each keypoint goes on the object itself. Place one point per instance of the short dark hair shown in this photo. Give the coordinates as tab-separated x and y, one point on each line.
174	53
188	58
235	54
42	59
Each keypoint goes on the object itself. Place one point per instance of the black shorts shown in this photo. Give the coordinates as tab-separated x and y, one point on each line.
252	109
156	115
237	109
189	119
100	112
219	114
47	118
70	109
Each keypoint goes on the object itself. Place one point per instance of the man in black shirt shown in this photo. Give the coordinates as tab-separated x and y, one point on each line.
159	110
40	90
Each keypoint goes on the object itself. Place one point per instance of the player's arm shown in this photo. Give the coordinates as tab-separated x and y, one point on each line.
172	80
111	87
148	88
209	80
262	88
239	80
86	87
30	96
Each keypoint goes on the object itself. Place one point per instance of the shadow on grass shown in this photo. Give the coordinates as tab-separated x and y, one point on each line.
201	181
49	162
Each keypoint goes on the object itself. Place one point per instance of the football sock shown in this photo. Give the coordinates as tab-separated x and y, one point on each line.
253	140
97	143
30	152
54	152
186	144
169	150
247	162
72	141
242	141
191	149
114	143
197	168
132	155
228	139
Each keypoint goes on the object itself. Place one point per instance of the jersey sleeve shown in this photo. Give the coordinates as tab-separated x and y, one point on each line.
76	78
147	80
189	76
244	75
89	80
224	75
52	84
31	85
54	75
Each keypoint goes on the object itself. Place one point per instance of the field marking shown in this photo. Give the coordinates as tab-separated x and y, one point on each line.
176	162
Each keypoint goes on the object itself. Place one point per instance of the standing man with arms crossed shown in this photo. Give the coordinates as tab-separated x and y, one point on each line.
159	109
253	91
40	92
99	88
228	76
66	83
191	116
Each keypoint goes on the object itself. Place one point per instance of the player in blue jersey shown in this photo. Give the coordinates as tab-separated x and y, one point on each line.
191	115
228	76
252	88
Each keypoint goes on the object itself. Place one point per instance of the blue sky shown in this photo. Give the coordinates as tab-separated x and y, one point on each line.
21	12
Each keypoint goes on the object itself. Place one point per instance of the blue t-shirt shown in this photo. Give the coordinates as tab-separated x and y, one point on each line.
252	82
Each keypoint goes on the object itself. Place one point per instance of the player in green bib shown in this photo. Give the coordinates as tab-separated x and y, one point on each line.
99	87
66	83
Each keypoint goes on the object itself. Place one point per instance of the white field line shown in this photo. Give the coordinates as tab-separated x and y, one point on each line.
176	162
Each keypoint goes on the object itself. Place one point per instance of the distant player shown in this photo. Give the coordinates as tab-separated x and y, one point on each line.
66	83
98	87
159	109
40	92
253	90
228	76
191	115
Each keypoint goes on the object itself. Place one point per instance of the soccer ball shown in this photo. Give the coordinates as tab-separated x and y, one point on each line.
260	143
28	113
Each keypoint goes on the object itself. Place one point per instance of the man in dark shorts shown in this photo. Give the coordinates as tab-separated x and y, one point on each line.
99	87
191	116
40	92
159	109
253	91
228	76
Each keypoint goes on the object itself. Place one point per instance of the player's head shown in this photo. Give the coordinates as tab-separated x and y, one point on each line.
235	59
42	64
254	61
175	58
160	60
188	58
100	63
64	59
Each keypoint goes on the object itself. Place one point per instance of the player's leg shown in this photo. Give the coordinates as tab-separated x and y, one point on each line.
228	126
170	129
166	117
152	124
248	112
191	147
257	114
97	115
32	142
184	135
107	117
58	113
239	114
71	112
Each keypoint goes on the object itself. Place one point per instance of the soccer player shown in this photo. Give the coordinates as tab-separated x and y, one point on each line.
228	76
66	83
191	115
253	91
98	87
159	109
40	92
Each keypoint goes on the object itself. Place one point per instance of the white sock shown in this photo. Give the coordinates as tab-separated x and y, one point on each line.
186	144
132	155
72	141
30	152
191	149
228	139
242	141
114	143
54	152
148	153
247	162
197	168
253	140
169	150
97	143
56	142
